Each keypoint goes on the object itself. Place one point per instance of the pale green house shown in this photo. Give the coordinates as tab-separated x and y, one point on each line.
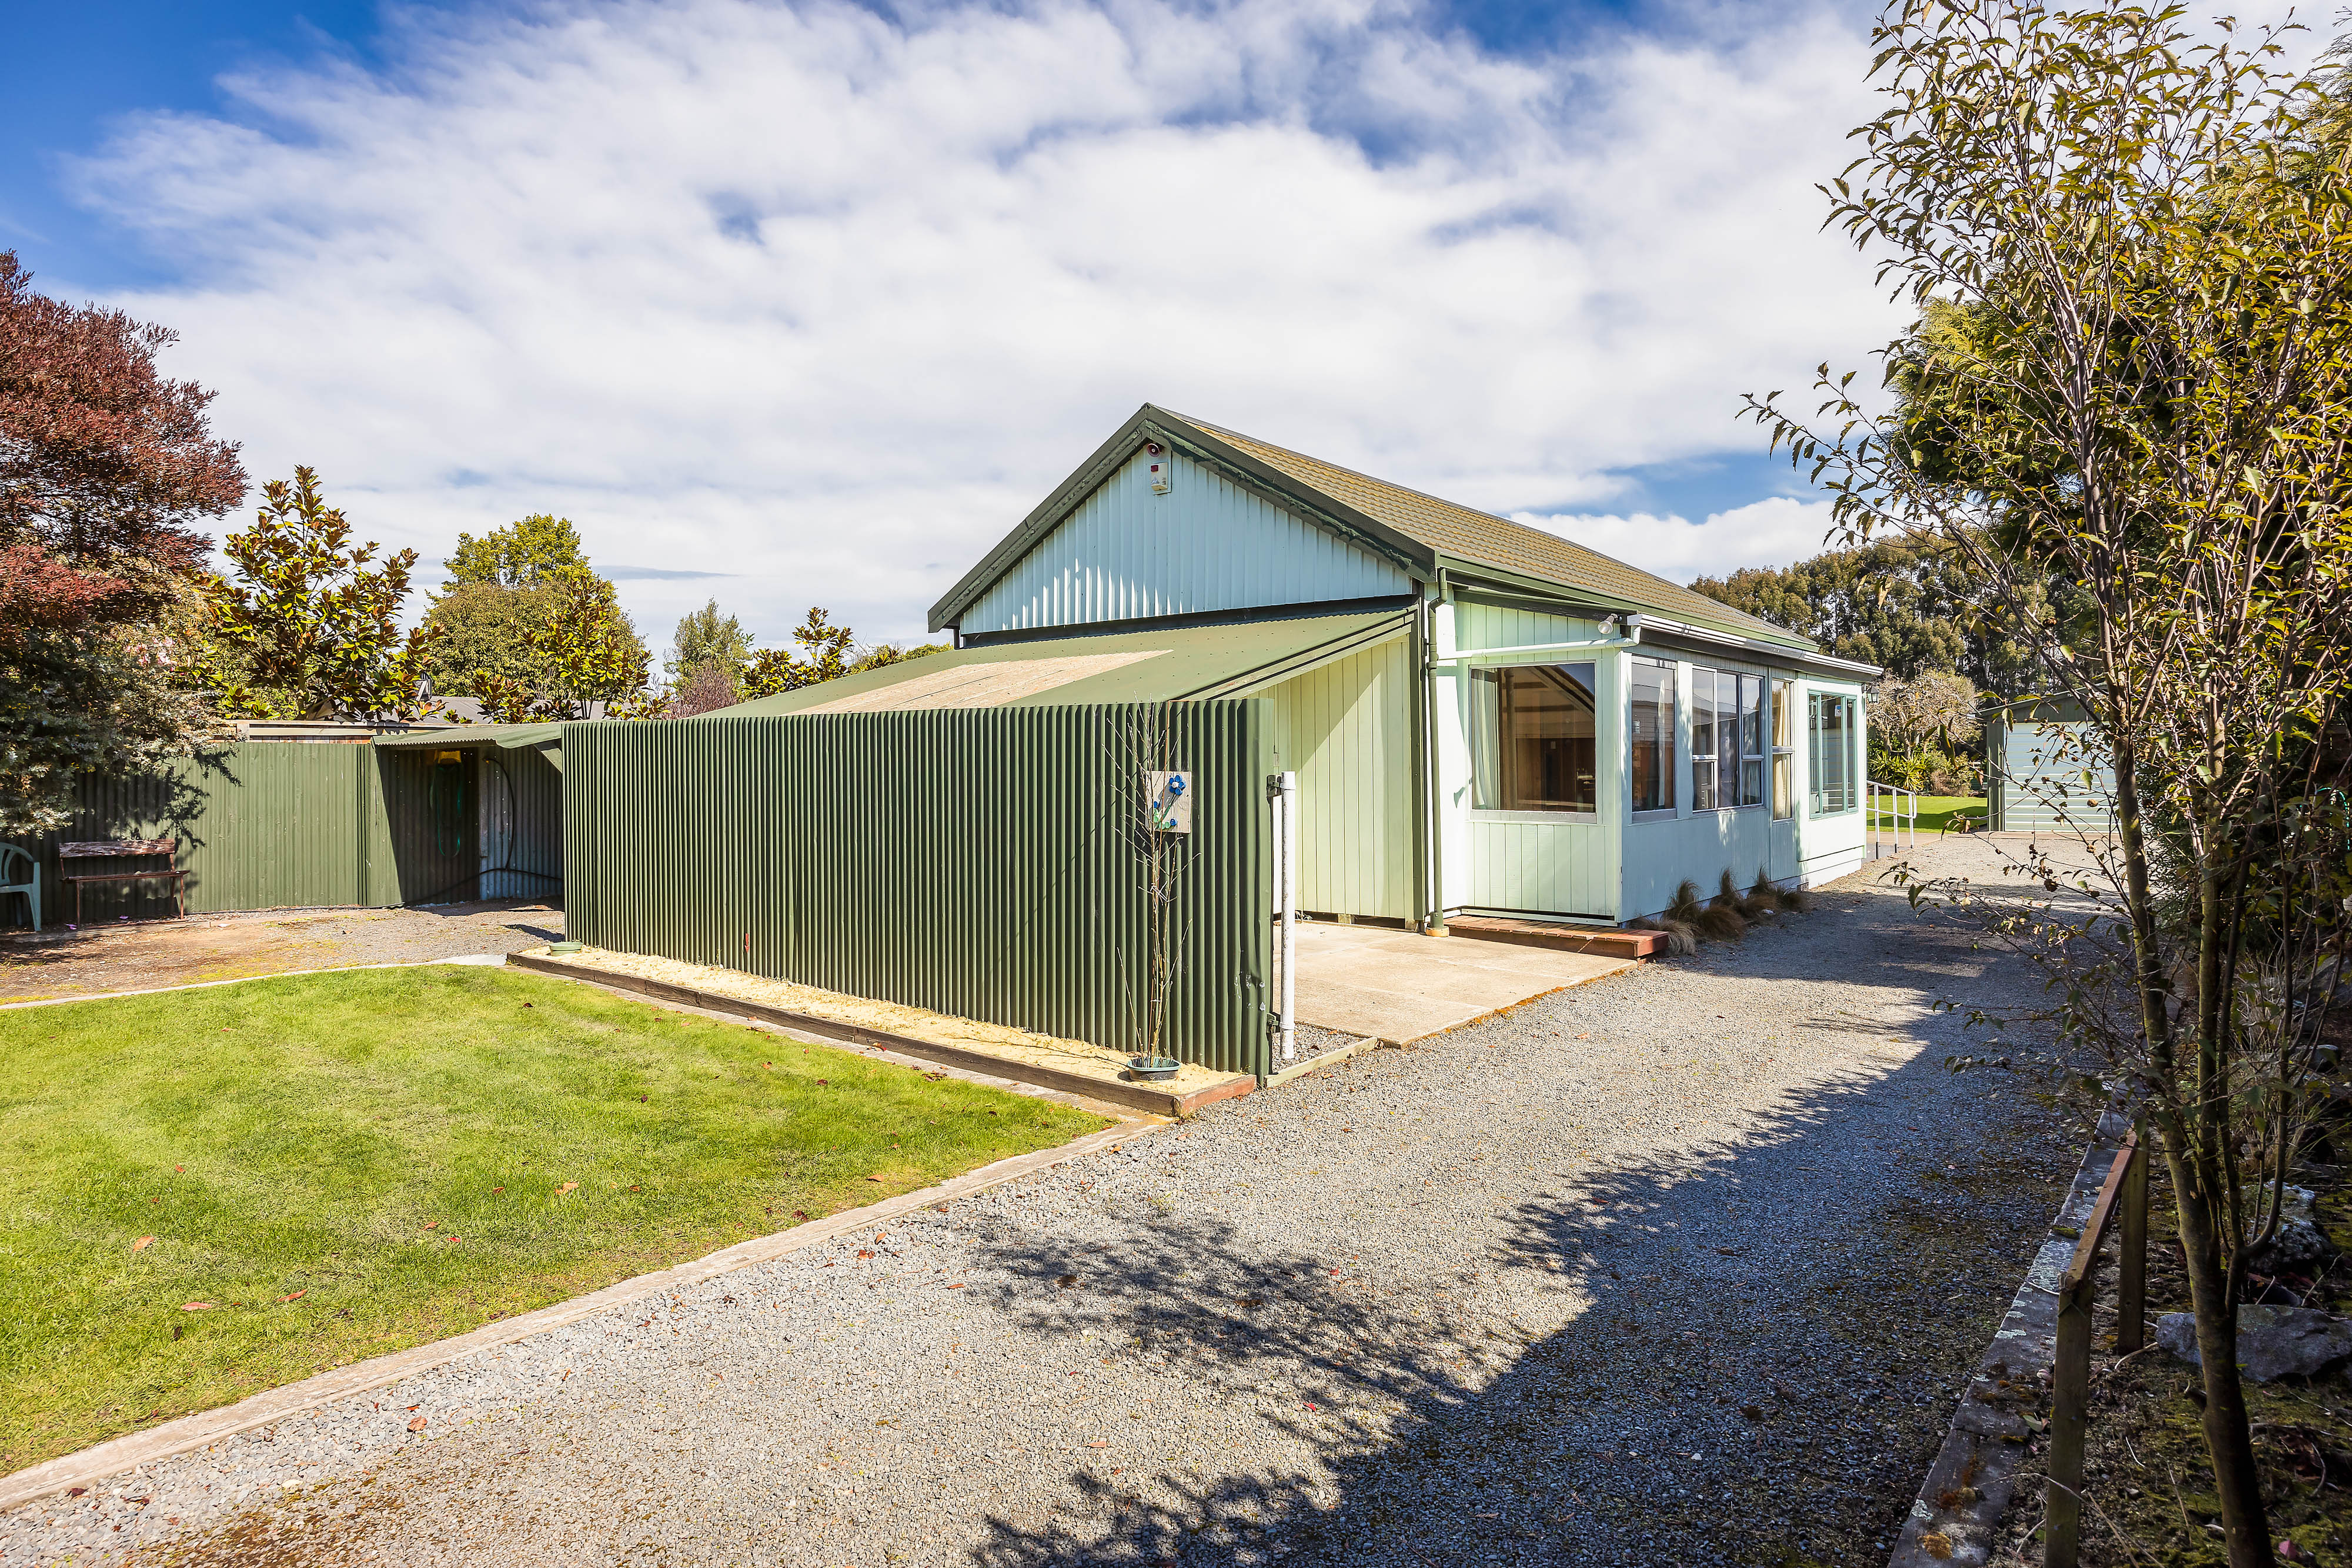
1484	717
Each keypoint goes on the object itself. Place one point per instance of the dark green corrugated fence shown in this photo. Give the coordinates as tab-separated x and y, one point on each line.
281	824
974	862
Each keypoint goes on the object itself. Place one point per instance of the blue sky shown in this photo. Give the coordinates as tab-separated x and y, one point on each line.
791	303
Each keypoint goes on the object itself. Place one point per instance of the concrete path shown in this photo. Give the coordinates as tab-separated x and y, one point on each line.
1679	1267
1399	986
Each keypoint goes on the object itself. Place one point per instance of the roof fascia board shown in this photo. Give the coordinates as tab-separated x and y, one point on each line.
1153	423
1041	520
1301	660
1458	570
1255	614
1271	484
1681	636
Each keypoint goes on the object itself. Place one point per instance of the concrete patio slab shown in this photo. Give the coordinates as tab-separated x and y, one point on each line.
1399	986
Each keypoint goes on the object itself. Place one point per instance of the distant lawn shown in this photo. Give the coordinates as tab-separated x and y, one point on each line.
394	1151
1937	811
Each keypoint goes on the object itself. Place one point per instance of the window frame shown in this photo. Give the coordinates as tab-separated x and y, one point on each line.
1664	770
1783	749
1480	743
1820	750
1706	776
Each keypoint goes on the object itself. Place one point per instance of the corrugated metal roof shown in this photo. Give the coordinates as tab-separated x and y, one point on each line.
1469	535
1174	663
452	737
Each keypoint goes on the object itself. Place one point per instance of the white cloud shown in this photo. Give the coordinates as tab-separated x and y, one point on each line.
825	302
1778	531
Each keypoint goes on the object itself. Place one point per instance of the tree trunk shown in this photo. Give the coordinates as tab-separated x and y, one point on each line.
2245	1528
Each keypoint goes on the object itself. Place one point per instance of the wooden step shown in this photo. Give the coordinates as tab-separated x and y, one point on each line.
1601	941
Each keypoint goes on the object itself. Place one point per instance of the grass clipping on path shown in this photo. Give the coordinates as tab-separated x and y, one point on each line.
342	1166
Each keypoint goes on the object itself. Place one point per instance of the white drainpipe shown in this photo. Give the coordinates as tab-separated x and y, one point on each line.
1286	896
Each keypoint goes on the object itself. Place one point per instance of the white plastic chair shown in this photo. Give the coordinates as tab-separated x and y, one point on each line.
30	886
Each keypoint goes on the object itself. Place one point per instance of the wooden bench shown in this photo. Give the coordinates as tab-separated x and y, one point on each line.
111	849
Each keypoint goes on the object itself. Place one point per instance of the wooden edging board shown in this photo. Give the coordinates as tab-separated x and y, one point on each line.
193	1432
1967	1488
1137	1096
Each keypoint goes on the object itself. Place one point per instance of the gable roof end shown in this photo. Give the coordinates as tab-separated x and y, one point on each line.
1419	532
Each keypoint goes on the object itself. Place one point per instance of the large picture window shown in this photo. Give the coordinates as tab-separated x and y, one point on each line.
1531	739
1831	732
1652	701
1726	739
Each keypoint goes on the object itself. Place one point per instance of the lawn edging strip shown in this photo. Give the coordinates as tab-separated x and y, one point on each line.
1969	1487
189	1433
1134	1096
474	960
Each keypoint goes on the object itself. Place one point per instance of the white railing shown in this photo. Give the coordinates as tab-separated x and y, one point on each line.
1899	809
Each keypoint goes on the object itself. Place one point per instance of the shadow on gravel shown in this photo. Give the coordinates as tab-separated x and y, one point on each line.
1718	1400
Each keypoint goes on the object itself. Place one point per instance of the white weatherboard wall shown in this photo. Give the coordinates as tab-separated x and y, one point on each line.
1525	862
1346	728
1126	554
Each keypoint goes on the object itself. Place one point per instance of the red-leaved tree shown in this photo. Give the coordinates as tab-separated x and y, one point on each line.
106	468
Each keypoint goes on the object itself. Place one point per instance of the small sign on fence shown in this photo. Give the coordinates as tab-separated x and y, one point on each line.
1168	801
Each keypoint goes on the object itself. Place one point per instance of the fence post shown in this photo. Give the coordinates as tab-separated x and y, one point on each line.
2070	1387
2131	1267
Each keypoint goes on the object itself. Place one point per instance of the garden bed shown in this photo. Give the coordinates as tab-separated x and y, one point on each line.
2147	1486
209	1193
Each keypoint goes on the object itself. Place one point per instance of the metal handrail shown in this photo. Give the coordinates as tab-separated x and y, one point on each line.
1901	810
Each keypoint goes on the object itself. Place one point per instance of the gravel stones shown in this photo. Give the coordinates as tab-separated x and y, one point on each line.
1681	1266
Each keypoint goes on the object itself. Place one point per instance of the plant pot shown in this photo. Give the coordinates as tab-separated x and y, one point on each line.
1153	1069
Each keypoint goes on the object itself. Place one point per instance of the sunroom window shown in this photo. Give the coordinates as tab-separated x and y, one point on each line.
1784	749
1532	739
1652	702
1726	739
1831	730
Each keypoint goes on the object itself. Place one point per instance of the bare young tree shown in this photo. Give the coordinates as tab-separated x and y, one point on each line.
2131	246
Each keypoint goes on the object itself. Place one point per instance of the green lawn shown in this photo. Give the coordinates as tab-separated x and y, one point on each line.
1937	811
346	1164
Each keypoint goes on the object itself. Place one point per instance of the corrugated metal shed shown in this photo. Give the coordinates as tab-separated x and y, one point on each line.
293	824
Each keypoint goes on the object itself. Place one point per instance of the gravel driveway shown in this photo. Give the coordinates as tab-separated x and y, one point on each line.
1681	1267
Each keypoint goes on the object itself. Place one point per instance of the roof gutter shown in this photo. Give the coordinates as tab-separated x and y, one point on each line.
1636	624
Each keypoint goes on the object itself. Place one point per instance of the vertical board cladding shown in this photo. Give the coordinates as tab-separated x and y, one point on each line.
1347	730
2051	777
978	862
288	824
260	825
1125	553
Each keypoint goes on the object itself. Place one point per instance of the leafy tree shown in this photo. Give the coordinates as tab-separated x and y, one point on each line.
585	658
704	638
1910	606
2132	378
106	470
831	653
707	690
1935	709
531	552
827	657
482	627
308	625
